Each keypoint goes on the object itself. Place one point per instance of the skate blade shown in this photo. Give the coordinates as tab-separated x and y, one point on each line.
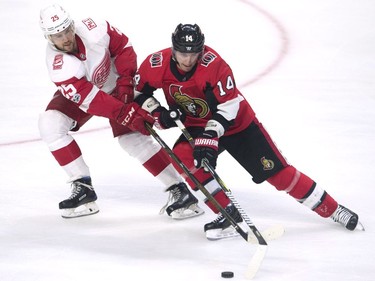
81	211
269	234
193	211
219	234
360	226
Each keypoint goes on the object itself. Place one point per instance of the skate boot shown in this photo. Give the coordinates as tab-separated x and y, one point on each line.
220	227
82	201
183	204
346	217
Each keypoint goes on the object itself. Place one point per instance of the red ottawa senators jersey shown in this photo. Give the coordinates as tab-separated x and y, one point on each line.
209	88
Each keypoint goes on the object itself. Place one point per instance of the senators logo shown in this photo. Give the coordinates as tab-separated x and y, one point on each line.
192	106
267	164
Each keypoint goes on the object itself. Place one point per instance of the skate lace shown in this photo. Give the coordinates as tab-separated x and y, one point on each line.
219	218
77	187
173	196
342	216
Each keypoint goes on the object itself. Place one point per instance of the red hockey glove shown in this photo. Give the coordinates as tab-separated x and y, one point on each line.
134	117
206	147
124	90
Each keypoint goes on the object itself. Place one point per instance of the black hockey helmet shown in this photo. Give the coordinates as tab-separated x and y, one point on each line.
188	38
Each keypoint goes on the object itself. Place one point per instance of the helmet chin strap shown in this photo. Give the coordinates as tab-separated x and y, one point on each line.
177	63
174	58
173	54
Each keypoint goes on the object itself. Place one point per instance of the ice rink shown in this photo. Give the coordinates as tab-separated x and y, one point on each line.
306	67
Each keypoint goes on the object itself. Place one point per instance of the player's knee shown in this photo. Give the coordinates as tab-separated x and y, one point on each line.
53	125
184	152
285	179
138	146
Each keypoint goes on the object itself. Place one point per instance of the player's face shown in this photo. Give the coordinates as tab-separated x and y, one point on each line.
186	61
65	40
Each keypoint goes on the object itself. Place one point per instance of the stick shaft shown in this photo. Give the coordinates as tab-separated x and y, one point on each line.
197	182
227	191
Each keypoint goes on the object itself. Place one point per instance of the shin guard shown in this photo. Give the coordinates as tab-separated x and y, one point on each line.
304	190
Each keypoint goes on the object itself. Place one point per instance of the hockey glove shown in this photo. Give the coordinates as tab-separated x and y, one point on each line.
206	147
163	118
134	117
124	90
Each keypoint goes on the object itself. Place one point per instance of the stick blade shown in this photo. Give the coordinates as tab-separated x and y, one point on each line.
272	233
256	261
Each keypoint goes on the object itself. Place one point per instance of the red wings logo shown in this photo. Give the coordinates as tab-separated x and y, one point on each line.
101	73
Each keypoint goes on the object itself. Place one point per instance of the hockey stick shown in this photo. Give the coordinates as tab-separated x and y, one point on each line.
174	115
261	251
197	182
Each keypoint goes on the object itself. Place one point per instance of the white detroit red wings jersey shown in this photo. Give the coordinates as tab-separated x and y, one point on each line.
105	53
209	89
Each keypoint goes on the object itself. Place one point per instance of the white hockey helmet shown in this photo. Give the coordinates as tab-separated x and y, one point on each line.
54	19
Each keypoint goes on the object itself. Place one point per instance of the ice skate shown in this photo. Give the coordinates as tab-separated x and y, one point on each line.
221	228
183	204
82	201
347	218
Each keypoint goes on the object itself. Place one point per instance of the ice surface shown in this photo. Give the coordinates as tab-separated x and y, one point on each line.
307	68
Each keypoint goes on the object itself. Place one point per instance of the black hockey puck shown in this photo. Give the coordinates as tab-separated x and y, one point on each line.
227	274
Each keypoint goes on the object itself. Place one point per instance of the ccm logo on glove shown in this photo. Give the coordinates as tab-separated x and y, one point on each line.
135	117
128	116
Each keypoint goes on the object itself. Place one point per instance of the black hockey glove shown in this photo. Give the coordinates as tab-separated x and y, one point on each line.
163	118
206	147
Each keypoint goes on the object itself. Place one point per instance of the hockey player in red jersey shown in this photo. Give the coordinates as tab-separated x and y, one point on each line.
92	64
197	81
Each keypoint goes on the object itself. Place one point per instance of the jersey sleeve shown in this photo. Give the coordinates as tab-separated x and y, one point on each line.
149	76
62	67
68	74
121	49
226	93
221	93
231	112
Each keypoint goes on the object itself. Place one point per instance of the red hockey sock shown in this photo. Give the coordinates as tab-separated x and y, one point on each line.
67	154
221	198
304	190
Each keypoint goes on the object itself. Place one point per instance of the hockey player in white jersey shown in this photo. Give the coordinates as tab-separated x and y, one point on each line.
92	64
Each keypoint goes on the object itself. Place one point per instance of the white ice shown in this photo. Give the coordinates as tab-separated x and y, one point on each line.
307	68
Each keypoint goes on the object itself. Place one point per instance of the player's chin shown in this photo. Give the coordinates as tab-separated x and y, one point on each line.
68	48
186	68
